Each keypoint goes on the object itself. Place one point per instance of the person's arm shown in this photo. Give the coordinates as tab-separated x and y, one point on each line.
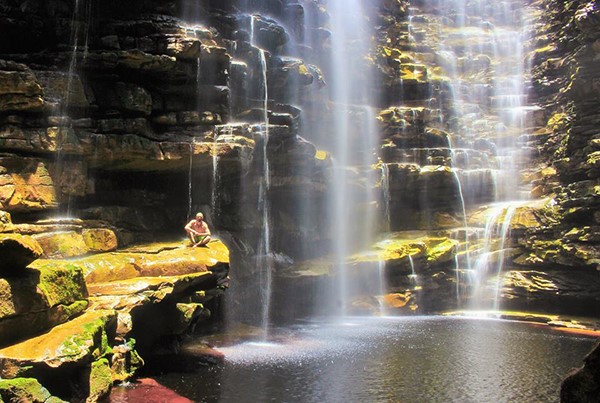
205	230
188	228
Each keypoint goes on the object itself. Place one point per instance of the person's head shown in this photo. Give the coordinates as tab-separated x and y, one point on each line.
199	217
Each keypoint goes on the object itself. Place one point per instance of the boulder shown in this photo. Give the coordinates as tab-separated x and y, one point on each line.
583	384
396	300
99	239
17	252
73	344
25	184
19	88
39	299
25	390
62	245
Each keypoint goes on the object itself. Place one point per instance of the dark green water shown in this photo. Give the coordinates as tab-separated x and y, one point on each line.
432	359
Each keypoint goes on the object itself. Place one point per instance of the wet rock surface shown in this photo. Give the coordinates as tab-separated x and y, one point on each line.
582	385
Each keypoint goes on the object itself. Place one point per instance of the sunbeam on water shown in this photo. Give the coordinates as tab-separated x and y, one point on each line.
418	359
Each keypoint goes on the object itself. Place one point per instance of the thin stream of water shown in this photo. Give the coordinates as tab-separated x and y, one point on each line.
265	259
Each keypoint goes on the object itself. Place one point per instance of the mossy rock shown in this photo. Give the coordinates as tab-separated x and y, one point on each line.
75	343
404	246
99	239
62	284
5	221
125	361
185	315
23	390
63	244
441	250
39	299
100	380
159	259
20	327
524	215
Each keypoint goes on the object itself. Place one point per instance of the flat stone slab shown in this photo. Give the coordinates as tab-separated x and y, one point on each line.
162	259
141	284
78	341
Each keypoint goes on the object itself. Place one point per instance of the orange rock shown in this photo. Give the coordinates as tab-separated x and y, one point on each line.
396	300
62	244
100	239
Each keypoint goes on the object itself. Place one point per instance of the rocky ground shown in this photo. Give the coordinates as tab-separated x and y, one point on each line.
78	325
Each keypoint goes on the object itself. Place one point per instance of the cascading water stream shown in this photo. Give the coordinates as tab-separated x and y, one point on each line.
65	123
385	187
413	276
487	272
504	234
214	196
190	172
264	261
349	87
480	47
382	286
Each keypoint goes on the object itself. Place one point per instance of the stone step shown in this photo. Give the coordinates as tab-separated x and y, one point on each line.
77	349
76	342
38	299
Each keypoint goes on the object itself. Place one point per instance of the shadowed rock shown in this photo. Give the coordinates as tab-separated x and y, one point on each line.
17	252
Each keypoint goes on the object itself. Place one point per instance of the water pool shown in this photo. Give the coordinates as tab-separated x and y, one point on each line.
424	359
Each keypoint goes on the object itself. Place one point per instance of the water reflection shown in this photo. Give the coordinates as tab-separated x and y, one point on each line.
392	359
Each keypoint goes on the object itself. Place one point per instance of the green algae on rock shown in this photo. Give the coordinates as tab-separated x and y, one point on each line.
77	343
100	380
25	390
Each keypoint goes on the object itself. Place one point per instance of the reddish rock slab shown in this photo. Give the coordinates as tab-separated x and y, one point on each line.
145	390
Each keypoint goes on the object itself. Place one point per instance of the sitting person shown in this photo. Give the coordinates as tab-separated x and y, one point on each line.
198	231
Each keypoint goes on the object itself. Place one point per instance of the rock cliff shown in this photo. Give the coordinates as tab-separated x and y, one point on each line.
119	121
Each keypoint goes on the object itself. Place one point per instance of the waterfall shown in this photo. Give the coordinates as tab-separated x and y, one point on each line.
352	143
413	276
82	12
190	172
214	196
264	261
487	273
480	46
382	286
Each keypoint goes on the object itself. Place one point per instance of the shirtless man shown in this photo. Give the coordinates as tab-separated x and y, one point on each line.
198	231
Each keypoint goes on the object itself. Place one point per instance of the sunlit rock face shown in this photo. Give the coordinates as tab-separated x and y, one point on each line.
95	315
565	74
127	118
